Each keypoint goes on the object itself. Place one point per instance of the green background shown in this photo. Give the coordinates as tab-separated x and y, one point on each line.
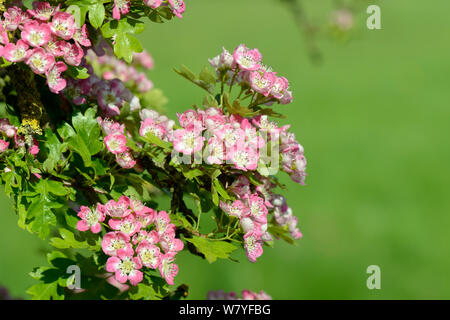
374	121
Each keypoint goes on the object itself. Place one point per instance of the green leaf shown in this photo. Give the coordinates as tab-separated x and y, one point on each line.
213	249
86	142
150	137
78	72
67	240
96	15
46	291
145	292
54	150
207	76
125	45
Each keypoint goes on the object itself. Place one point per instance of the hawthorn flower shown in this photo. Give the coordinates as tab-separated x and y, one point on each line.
262	82
163	224
113	241
125	160
247	59
109	126
187	141
150	125
253	245
14	16
178	7
118	209
169	243
258	210
149	254
40	61
91	219
7	128
56	47
125	266
244	157
36	34
280	85
16	52
3	145
116	142
151	237
120	7
55	82
216	151
167	268
42	10
63	25
225	60
127	225
237	209
81	36
74	54
153	3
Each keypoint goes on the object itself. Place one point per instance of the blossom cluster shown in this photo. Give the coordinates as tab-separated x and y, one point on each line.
122	7
110	95
252	208
140	237
229	139
45	38
244	67
245	294
113	68
116	142
9	132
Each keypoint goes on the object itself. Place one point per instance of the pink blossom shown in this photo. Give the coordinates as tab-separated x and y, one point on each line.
63	25
261	81
91	219
258	210
144	58
118	209
170	244
42	10
216	150
150	125
244	157
247	59
7	128
56	47
237	209
163	224
127	225
3	35
36	34
253	245
3	145
116	143
151	237
40	61
120	7
125	266
167	268
153	3
110	126
225	60
187	141
55	82
74	54
13	18
178	7
16	52
280	85
149	255
113	241
81	36
125	160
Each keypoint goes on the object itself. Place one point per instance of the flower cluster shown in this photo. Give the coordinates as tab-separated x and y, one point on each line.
116	142
9	132
229	139
245	67
110	95
140	237
122	7
246	295
45	38
113	68
252	208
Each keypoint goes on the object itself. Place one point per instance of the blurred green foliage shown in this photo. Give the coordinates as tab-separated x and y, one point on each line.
374	121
